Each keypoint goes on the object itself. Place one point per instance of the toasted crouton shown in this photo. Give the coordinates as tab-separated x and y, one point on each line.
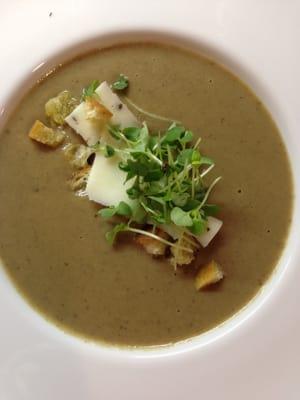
59	107
77	154
180	256
151	245
96	110
79	179
208	275
48	136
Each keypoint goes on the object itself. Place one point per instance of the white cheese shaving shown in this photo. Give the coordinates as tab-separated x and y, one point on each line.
213	227
105	183
121	114
88	129
92	130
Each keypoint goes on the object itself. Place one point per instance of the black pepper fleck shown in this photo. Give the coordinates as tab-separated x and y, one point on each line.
91	159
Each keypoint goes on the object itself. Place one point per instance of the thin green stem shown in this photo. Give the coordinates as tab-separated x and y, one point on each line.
149	114
208	192
207	170
154	158
197	143
156	237
193	182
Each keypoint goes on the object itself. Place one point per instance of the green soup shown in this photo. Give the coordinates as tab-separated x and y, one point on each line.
53	246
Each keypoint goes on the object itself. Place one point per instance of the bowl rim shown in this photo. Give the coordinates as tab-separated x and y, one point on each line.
237	68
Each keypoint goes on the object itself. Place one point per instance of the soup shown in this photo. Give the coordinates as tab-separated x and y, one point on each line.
54	248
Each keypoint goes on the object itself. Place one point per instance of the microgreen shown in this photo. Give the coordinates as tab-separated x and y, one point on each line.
121	83
166	174
122	209
180	217
111	235
89	91
109	151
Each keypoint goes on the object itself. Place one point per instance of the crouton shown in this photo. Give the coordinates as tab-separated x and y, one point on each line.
48	136
151	245
77	154
59	107
79	179
180	256
208	275
96	110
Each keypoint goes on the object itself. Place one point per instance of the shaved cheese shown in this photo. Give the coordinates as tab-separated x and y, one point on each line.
213	227
90	130
105	184
121	114
106	181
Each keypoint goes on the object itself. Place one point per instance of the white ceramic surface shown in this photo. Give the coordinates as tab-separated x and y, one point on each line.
259	358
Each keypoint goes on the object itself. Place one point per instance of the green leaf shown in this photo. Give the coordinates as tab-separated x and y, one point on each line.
173	134
135	168
124	166
187	137
185	157
123	209
198	227
196	158
180	217
107	212
109	151
179	199
158	199
158	219
191	204
139	215
111	235
133	134
133	192
206	161
121	83
114	131
144	134
90	90
153	175
153	140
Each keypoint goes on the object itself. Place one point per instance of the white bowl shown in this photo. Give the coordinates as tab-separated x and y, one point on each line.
40	361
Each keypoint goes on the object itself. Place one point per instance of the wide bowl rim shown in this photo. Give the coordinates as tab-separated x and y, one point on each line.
210	50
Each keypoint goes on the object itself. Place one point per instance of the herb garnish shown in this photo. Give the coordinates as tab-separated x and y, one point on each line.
121	83
167	173
89	91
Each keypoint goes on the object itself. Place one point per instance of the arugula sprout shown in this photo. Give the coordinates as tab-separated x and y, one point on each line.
122	209
166	174
180	217
111	235
121	83
109	151
89	91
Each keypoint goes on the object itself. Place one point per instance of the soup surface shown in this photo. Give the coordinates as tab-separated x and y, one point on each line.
54	249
